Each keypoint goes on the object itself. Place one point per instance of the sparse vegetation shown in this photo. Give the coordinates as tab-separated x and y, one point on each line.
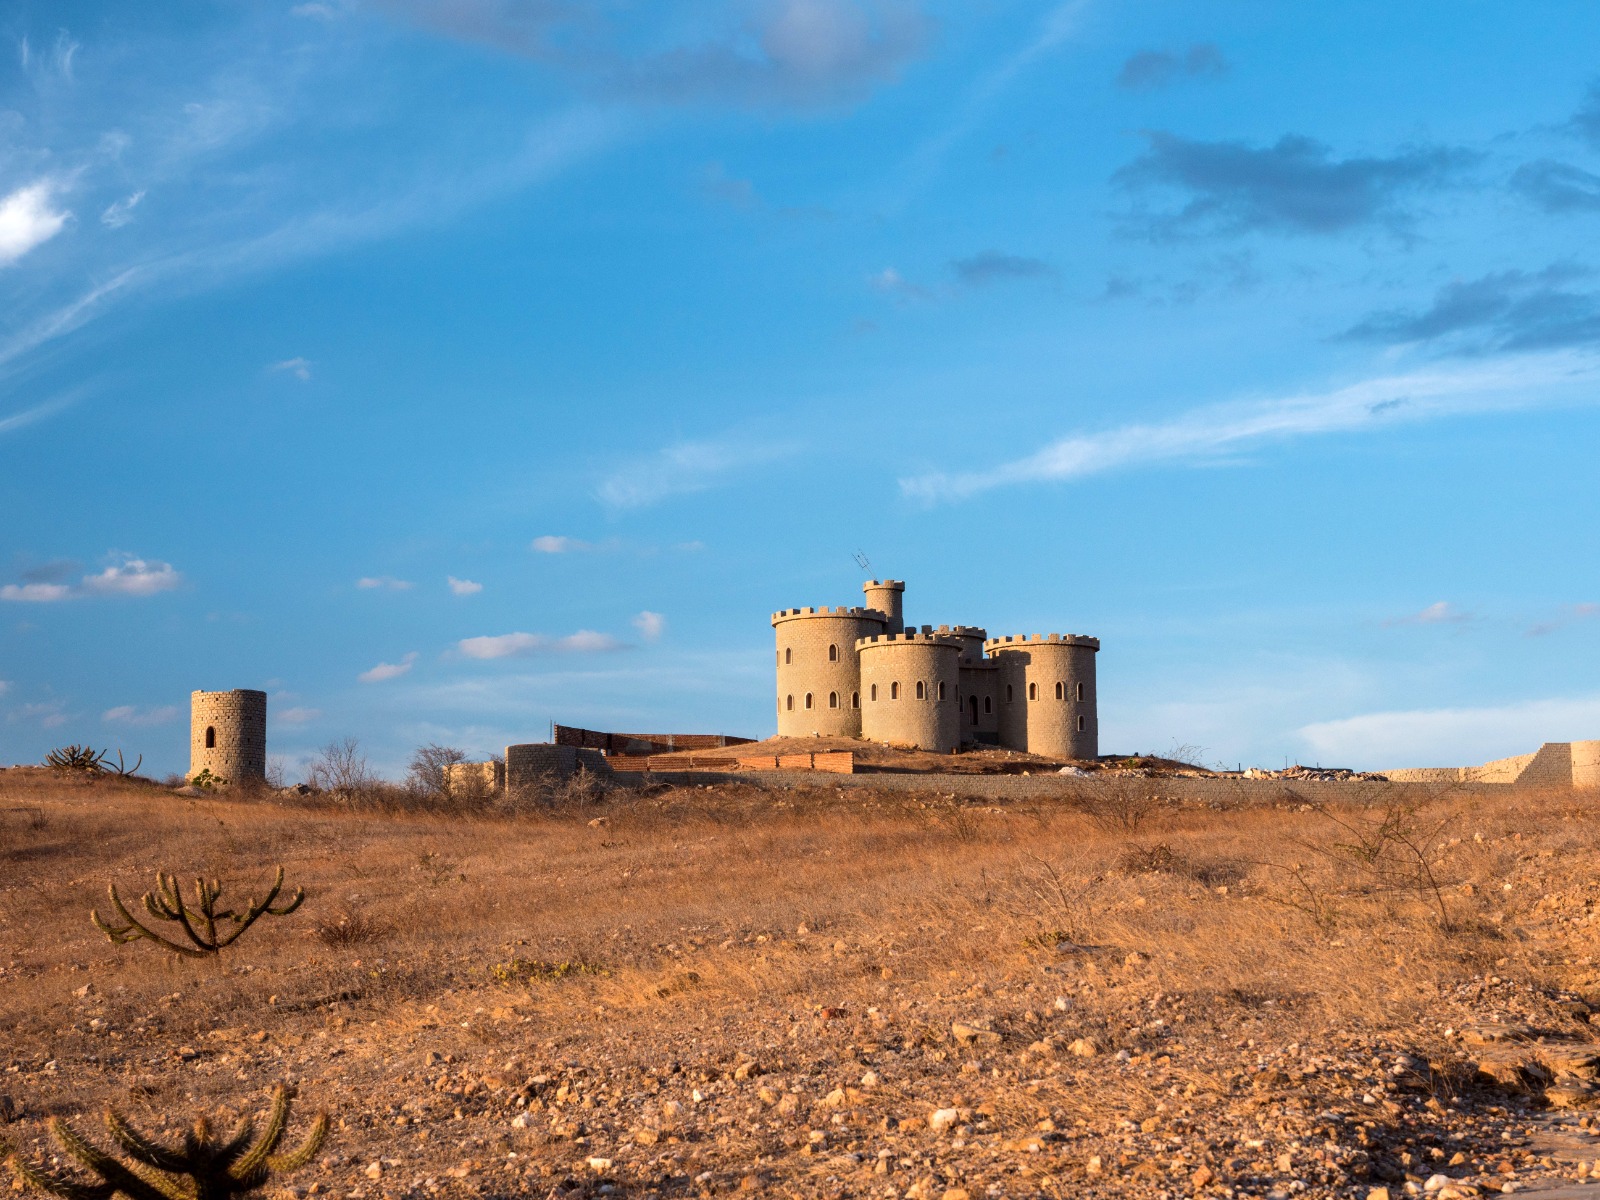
205	926
203	1167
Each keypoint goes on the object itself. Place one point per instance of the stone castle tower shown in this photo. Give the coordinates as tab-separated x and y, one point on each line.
228	734
862	672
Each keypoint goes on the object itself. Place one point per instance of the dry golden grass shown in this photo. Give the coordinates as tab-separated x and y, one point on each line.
584	971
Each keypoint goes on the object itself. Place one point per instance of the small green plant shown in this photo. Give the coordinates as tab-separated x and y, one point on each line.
205	781
205	1167
198	924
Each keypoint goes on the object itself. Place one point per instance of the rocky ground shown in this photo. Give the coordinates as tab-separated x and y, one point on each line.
693	992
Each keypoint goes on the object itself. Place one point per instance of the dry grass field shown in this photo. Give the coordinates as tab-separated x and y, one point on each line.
695	991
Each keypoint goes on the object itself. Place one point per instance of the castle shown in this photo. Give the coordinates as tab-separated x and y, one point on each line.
228	734
861	673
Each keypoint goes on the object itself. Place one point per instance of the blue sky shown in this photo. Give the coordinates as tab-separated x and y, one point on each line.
446	367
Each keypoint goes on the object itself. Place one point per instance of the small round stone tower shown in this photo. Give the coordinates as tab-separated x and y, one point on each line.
909	690
819	671
888	597
1046	694
228	734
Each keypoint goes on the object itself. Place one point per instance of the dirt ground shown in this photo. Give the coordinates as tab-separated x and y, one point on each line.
689	992
875	757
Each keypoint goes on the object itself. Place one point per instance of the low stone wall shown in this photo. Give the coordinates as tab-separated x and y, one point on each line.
542	762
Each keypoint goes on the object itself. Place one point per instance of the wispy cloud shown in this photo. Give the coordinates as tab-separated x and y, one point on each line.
1295	185
787	53
296	716
1205	434
38	412
300	368
384	583
996	266
651	625
551	543
29	218
133	577
128	575
1452	737
130	714
119	212
1558	187
520	645
1506	310
1151	69
51	714
1570	615
1441	612
686	467
463	587
385	670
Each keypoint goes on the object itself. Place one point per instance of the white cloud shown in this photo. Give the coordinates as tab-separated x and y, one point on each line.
300	368
385	581
891	282
133	577
463	587
38	412
518	645
314	10
1210	433
683	468
5	686
1452	737
385	671
296	716
1568	616
129	714
650	625
550	544
1441	612
36	593
27	219
120	213
51	714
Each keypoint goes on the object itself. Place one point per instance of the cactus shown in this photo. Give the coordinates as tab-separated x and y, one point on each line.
203	1168
76	758
122	768
199	924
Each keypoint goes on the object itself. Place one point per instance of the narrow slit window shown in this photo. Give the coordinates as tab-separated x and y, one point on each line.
1010	695
919	689
1082	724
855	699
211	737
790	704
941	691
988	704
1061	691
833	654
894	691
833	699
1080	691
788	655
1033	691
873	693
808	699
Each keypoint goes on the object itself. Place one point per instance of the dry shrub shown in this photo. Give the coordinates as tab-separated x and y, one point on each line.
1120	803
350	929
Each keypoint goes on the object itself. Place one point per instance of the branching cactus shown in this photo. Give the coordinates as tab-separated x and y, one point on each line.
204	1167
207	927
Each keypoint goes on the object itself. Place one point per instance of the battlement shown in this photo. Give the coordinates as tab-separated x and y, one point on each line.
959	631
926	638
1029	641
891	585
799	614
972	663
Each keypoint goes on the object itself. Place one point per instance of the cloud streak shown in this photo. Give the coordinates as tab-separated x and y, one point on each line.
1503	311
385	671
1441	612
1152	69
684	468
1208	433
128	575
521	645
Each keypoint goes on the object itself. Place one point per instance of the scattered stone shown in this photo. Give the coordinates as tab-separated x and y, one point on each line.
942	1119
1084	1048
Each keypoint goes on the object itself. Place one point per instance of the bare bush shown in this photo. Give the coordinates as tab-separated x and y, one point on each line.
342	768
1119	803
428	769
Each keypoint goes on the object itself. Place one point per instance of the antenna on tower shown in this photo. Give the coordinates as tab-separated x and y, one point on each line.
863	561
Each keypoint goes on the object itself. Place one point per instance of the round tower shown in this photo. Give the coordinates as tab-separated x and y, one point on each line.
819	671
909	686
887	596
228	734
1046	694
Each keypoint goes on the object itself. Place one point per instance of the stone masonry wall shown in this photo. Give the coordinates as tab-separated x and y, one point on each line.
819	671
894	669
235	723
1046	694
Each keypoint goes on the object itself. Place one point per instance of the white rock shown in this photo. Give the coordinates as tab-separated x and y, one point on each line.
1435	1182
942	1119
600	1164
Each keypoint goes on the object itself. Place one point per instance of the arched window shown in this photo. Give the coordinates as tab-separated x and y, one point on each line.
833	699
1009	696
972	705
919	689
1033	691
833	654
790	704
1081	724
808	699
211	737
873	694
894	691
788	655
988	704
1080	691
1061	691
855	699
941	691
